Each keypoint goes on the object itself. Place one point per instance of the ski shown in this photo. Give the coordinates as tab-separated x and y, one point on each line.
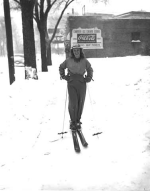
83	141
75	141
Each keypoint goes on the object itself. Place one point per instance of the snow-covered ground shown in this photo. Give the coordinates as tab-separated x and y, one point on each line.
32	114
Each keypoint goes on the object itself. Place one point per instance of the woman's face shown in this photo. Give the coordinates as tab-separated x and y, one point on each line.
76	52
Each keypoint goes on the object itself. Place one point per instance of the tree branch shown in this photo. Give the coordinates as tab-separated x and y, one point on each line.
17	1
58	21
41	8
49	6
36	16
48	2
53	3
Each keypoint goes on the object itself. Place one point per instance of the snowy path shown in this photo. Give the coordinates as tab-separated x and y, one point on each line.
117	104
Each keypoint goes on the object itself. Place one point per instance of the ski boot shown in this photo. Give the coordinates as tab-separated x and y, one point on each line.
73	126
78	124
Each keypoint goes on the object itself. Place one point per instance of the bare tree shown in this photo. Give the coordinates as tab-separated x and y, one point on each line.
42	9
9	41
41	15
27	7
28	32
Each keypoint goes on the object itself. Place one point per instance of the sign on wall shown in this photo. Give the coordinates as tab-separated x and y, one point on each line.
87	38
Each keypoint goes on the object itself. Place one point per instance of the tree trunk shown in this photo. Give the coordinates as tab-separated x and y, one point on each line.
43	49
28	33
9	41
48	49
49	55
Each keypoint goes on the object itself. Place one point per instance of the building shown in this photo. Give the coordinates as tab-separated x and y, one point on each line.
121	35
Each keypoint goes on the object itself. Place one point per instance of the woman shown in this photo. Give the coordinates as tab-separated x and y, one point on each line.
77	66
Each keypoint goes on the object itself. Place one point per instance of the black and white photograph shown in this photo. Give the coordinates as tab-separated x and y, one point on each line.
74	95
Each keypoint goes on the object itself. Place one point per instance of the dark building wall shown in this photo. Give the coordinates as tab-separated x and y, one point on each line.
117	35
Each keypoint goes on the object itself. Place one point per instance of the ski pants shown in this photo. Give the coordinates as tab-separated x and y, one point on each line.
77	93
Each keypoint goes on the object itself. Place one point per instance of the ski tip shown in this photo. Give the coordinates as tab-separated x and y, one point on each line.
85	145
77	150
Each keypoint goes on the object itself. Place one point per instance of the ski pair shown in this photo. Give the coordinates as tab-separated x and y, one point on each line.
75	139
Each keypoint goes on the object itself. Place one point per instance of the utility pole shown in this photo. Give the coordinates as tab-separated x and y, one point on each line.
83	10
10	52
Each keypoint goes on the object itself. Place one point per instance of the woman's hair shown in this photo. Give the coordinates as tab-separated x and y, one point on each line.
81	55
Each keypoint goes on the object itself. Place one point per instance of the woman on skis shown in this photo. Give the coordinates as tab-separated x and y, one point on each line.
77	65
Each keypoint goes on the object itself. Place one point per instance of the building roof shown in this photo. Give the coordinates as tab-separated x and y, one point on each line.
103	15
134	15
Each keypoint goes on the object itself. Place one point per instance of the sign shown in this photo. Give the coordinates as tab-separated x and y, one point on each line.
87	38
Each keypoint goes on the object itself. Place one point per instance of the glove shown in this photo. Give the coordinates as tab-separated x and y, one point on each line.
87	79
67	78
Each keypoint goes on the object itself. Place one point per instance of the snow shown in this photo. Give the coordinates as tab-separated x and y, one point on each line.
34	157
